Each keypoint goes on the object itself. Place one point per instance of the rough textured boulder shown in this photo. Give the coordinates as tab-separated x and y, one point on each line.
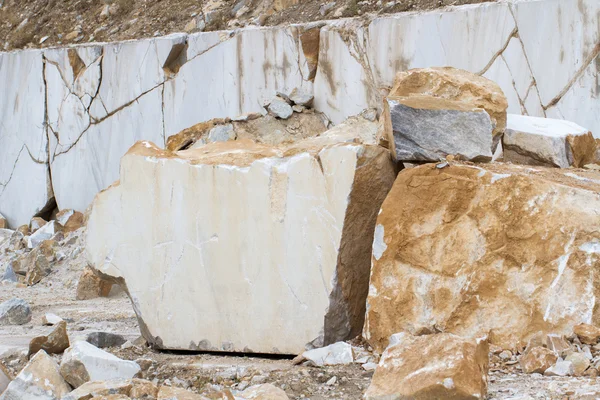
588	334
277	238
547	142
83	362
91	286
455	84
39	380
440	366
470	249
44	233
537	360
14	312
56	342
131	388
429	128
70	220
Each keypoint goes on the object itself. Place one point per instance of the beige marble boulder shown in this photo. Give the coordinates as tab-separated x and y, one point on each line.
440	366
457	85
587	333
494	249
537	360
244	247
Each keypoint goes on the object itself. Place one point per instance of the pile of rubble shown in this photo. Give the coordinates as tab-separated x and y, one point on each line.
32	252
286	119
278	234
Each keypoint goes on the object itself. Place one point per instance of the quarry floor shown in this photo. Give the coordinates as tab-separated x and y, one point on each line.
206	371
47	23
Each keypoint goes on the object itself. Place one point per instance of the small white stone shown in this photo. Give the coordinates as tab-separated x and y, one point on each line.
280	108
334	354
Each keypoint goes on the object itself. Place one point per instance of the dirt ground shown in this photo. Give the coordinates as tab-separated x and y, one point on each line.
210	373
45	23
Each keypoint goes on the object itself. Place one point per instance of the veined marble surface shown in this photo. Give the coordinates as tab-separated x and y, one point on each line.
67	115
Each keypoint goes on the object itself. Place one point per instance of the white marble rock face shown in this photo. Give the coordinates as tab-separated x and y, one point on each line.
545	141
24	180
126	91
236	247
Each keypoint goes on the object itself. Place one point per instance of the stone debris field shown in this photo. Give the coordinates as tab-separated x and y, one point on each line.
433	238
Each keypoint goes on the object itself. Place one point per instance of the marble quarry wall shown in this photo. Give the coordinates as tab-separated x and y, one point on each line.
67	115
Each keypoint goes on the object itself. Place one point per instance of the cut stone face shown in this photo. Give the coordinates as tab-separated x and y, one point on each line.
547	142
429	128
277	239
495	248
25	187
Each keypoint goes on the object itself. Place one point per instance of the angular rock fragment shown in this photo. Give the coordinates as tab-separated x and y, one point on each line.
537	360
455	84
547	142
105	339
588	334
44	233
301	97
334	354
9	275
55	343
429	128
289	247
70	220
36	223
557	343
51	319
14	312
37	267
280	108
143	389
83	362
440	366
3	222
221	133
24	229
5	234
173	393
478	256
39	380
579	361
131	388
265	391
91	286
561	368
